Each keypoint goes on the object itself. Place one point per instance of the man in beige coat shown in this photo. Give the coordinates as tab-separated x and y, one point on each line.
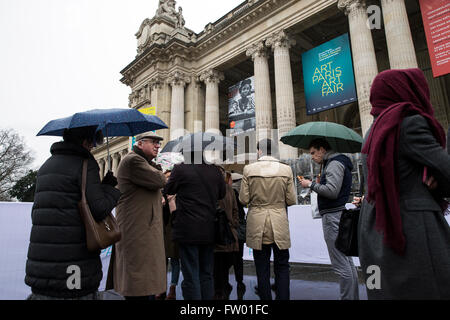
268	189
140	267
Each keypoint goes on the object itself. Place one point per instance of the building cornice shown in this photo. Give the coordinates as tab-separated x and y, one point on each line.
244	15
154	54
231	26
236	20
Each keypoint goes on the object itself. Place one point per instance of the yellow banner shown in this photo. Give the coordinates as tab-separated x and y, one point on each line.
149	111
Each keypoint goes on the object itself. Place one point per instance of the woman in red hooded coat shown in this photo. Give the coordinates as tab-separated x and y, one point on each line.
403	233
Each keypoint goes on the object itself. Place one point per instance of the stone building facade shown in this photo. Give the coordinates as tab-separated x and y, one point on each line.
186	75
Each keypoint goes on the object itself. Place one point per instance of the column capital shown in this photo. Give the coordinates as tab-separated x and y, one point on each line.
257	50
350	5
280	39
178	78
212	76
156	82
196	81
115	156
123	153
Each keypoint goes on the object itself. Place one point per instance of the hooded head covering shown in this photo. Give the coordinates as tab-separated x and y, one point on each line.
395	94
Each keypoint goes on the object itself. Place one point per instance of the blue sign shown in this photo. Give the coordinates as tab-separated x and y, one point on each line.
328	76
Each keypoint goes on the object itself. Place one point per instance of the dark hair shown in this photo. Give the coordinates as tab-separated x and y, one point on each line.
78	135
318	143
243	83
265	145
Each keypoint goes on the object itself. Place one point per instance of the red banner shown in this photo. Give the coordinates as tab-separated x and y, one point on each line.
436	21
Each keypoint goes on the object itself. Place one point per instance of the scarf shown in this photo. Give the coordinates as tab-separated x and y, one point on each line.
138	151
395	94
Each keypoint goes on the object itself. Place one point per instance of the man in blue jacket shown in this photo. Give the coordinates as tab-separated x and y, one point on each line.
333	192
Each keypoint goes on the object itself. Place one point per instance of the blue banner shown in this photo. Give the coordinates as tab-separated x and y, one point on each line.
328	76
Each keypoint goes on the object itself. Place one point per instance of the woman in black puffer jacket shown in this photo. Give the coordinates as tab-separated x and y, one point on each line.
58	238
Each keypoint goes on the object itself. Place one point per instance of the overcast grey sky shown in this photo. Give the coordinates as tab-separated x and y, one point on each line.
59	57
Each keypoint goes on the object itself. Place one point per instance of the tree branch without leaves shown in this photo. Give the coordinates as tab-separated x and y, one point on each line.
14	161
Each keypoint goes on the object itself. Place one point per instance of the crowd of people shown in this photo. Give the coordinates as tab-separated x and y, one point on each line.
170	215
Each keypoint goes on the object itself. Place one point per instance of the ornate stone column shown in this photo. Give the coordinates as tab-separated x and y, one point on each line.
107	165
156	86
263	99
284	90
398	35
212	79
178	81
199	102
364	59
159	92
115	163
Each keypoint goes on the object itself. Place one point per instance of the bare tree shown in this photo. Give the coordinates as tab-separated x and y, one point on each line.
15	160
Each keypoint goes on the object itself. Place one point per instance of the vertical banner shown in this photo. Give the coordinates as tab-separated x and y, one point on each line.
328	75
241	107
436	22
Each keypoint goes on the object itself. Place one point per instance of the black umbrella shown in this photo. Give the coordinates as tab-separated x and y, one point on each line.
116	122
198	142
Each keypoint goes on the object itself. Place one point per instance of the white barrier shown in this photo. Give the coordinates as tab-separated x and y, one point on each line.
307	245
15	228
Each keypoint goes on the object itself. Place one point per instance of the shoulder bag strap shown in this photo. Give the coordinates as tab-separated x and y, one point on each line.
83	180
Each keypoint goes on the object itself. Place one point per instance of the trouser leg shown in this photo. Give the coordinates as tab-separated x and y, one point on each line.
189	258
342	265
281	270
206	274
262	266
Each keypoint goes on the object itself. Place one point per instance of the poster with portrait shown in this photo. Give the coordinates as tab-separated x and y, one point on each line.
241	107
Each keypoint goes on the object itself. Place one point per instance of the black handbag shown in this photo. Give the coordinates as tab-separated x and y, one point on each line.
222	230
222	233
347	239
101	234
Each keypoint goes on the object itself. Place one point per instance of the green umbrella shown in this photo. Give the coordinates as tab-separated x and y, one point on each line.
340	138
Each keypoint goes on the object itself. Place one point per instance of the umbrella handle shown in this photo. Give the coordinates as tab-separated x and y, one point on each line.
107	147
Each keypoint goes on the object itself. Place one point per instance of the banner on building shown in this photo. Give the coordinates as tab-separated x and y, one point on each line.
436	22
241	107
328	75
151	111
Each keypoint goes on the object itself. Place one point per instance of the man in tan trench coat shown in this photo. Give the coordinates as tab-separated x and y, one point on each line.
140	268
268	189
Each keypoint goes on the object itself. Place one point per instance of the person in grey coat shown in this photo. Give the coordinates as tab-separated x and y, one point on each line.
404	239
333	192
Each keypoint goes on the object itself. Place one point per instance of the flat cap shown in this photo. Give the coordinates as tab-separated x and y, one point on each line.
149	135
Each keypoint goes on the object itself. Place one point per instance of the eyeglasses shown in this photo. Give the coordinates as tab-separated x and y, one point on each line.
155	142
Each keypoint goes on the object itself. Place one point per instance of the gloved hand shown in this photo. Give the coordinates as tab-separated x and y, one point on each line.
110	179
156	166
